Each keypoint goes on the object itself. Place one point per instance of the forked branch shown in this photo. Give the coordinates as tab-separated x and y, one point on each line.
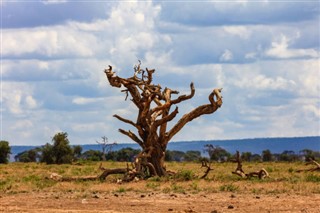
206	165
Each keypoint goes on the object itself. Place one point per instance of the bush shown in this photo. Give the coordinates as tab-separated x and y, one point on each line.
5	150
228	188
27	156
47	154
184	175
61	149
92	155
60	152
312	178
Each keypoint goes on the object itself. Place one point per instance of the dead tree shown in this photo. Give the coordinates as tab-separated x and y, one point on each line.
154	110
239	171
106	146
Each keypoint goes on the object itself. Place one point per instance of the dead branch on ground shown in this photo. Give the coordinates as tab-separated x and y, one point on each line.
205	163
239	171
317	168
140	169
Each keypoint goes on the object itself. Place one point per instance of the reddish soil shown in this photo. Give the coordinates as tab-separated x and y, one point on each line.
157	202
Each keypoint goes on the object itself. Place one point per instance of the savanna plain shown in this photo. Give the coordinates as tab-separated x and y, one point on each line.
27	187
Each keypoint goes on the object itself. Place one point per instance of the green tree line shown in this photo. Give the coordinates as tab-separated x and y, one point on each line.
61	152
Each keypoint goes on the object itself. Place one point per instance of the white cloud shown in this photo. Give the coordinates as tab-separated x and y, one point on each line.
53	1
262	82
17	98
313	109
241	31
208	131
91	127
83	101
44	70
226	55
47	42
31	102
308	78
21	125
280	49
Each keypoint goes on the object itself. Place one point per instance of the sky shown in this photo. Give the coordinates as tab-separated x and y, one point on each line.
264	54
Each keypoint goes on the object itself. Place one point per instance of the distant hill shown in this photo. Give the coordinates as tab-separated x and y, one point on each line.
255	145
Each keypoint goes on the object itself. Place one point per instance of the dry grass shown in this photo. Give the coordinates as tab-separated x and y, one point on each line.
31	177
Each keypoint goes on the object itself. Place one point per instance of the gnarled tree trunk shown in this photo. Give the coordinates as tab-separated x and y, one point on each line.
154	112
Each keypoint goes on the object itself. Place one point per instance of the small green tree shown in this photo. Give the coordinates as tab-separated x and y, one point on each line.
308	154
5	150
174	155
61	149
266	155
60	152
27	156
246	156
77	150
127	154
217	153
92	155
47	154
288	156
255	158
192	156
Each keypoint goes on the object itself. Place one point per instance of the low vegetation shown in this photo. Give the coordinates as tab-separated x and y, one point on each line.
283	178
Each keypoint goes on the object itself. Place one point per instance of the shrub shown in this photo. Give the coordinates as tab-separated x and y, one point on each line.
5	150
312	178
60	152
184	175
228	188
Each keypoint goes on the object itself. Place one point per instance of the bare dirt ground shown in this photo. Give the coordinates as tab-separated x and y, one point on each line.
158	202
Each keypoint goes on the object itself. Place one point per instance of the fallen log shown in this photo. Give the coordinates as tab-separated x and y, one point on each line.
106	172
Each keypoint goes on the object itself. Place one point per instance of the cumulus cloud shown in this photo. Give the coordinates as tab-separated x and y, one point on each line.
241	31
261	82
17	98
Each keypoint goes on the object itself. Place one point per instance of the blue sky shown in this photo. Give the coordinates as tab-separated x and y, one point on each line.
265	55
